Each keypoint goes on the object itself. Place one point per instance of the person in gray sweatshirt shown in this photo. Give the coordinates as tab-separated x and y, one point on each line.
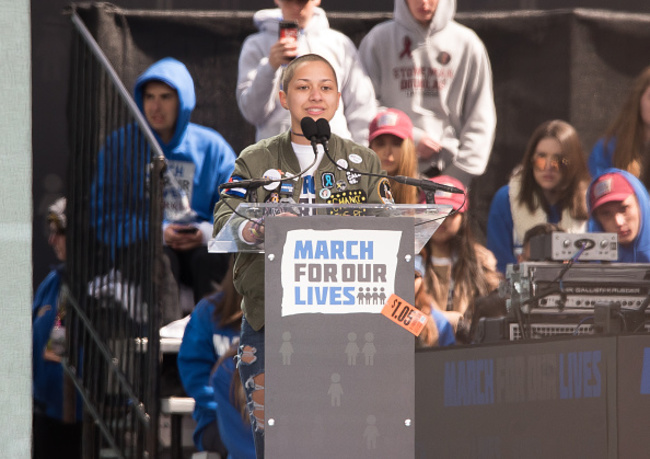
264	55
438	72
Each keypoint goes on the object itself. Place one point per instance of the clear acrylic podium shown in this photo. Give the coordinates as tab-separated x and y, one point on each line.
340	376
426	219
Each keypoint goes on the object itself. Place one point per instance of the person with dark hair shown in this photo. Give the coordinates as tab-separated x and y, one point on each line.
455	268
310	91
619	203
437	71
548	186
266	53
626	143
213	327
199	159
57	422
537	230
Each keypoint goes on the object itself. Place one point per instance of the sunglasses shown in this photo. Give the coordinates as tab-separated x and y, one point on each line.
557	162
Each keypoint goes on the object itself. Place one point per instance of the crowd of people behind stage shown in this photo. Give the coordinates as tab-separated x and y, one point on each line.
418	93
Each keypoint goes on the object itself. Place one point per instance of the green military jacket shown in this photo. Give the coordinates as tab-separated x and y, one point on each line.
277	153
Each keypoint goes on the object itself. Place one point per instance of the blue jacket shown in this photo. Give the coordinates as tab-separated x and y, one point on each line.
236	434
601	157
639	250
203	343
197	156
48	375
500	238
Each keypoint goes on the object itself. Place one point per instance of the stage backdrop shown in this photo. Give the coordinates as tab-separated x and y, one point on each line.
576	65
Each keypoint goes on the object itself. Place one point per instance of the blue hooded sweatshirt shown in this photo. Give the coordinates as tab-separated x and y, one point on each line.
48	374
204	341
639	250
199	158
236	433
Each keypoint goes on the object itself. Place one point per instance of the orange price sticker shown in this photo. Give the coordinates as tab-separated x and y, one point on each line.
405	315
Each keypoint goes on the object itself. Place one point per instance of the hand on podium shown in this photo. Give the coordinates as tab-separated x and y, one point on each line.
253	231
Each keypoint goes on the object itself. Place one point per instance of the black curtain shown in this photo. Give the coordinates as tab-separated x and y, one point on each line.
574	65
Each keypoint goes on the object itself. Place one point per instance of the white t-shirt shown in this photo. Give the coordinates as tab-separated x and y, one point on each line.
305	155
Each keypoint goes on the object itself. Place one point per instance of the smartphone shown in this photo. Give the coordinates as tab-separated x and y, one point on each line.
288	29
188	230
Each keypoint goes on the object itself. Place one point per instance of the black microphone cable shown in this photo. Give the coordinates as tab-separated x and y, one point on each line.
556	286
256	183
322	134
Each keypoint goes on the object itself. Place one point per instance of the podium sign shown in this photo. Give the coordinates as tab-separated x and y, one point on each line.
339	375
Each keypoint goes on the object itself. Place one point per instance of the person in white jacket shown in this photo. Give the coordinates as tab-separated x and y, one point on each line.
438	72
264	55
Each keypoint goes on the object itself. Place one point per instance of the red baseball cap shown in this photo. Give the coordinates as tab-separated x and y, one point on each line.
608	188
391	121
454	199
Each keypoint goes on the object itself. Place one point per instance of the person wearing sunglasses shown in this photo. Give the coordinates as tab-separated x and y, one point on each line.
548	186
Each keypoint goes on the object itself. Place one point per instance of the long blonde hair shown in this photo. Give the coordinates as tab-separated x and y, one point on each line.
408	166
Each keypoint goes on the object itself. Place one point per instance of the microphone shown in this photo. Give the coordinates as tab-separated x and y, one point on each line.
426	185
251	183
324	132
310	131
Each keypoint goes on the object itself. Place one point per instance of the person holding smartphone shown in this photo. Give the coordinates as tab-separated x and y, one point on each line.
199	159
295	28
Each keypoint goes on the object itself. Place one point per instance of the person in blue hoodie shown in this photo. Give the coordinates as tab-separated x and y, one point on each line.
232	415
199	160
212	329
619	203
57	425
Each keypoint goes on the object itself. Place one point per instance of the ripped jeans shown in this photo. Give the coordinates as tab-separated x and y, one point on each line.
251	371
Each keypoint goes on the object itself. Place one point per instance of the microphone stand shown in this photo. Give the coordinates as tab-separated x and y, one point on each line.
323	134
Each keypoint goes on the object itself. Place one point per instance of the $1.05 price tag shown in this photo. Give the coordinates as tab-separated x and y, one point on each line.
403	314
